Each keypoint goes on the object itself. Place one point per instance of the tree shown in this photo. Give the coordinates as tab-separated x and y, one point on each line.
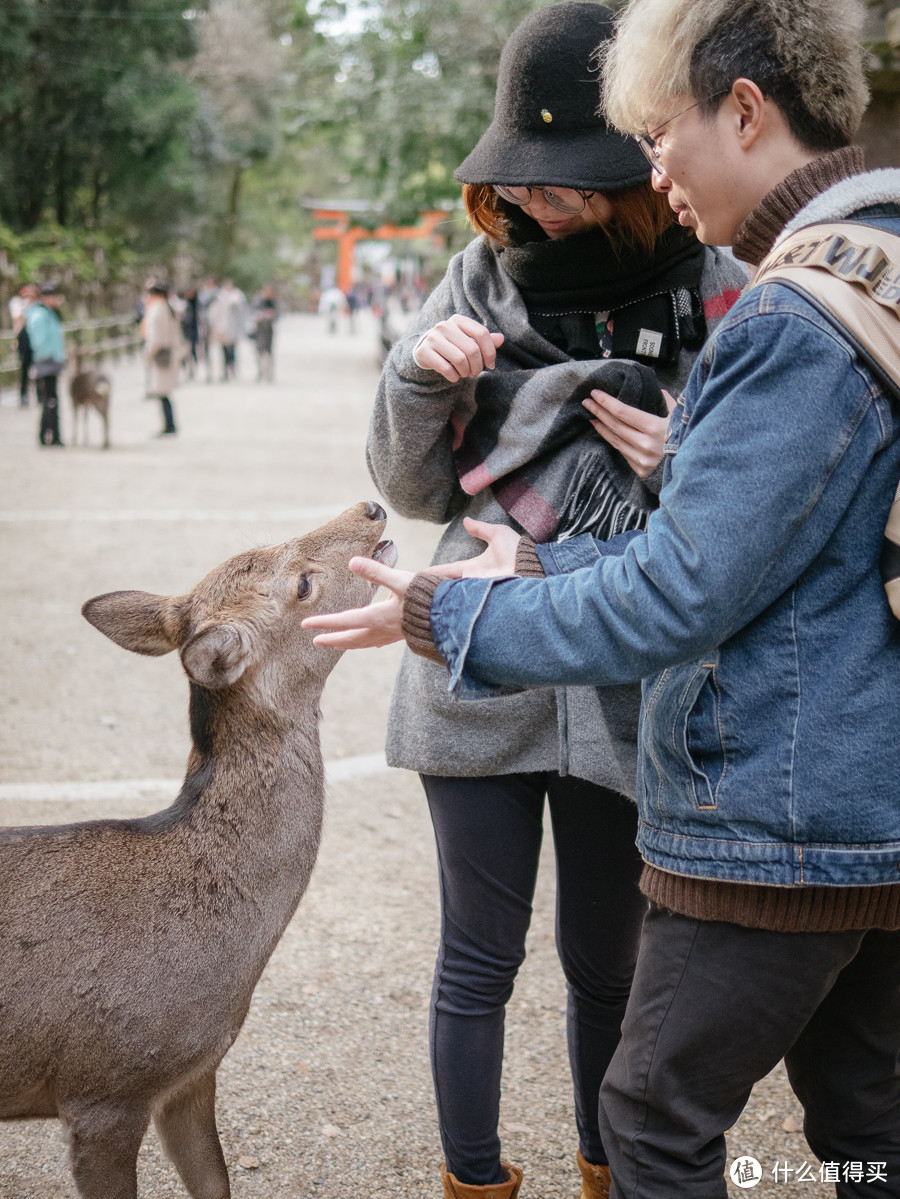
92	107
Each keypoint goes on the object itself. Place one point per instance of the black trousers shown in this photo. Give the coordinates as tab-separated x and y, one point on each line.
715	1007
48	399
488	833
25	360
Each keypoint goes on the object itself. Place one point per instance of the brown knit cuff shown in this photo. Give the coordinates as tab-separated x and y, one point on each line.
528	564
415	618
777	909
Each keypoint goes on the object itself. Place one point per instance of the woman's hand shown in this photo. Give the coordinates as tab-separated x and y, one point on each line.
458	348
499	559
638	436
375	625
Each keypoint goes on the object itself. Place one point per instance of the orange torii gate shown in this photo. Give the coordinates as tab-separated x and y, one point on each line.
347	235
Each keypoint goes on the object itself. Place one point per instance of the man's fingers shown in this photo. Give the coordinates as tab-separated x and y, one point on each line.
670	401
353	618
355	639
478	528
384	576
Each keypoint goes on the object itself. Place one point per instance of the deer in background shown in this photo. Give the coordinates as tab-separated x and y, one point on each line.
131	948
89	388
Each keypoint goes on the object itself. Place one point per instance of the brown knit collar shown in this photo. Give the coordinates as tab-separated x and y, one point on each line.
759	231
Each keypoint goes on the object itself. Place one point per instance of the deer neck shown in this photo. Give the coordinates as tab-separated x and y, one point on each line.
256	777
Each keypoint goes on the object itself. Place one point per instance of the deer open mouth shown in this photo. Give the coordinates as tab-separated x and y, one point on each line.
386	553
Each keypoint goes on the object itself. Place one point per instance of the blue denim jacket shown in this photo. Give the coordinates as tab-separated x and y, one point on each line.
752	608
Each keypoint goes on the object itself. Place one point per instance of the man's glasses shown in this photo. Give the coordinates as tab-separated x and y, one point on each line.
651	149
564	199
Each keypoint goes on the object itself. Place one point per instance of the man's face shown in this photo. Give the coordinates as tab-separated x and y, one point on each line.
701	175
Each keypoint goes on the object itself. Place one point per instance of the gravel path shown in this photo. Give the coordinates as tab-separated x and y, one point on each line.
327	1091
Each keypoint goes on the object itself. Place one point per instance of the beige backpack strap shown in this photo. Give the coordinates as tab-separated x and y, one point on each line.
821	261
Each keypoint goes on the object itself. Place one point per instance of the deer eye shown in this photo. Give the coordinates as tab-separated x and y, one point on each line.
304	586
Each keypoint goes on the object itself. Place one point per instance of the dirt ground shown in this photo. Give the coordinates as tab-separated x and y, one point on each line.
327	1089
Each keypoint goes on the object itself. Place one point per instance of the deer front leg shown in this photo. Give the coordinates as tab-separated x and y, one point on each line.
104	1144
187	1129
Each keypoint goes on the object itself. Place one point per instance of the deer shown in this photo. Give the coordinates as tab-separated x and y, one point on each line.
131	947
89	389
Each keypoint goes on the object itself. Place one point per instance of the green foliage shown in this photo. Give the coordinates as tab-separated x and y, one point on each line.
413	91
89	104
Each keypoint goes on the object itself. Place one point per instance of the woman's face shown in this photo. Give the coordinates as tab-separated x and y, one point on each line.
598	211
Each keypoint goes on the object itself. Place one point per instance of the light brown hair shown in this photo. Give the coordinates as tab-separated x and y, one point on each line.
640	215
805	55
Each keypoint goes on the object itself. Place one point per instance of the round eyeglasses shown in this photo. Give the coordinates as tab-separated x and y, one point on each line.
650	148
564	199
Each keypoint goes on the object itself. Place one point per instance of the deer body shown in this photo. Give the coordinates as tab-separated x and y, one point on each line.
131	948
89	389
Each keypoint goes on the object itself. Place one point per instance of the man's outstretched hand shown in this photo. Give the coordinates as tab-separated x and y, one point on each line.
380	624
376	625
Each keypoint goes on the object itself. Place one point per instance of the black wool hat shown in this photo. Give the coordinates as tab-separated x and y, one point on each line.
545	127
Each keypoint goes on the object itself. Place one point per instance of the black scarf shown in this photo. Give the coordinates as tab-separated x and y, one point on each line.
657	291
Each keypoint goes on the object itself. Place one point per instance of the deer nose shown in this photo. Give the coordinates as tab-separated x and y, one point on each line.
375	511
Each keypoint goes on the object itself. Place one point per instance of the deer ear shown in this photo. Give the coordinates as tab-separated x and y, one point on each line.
217	656
137	620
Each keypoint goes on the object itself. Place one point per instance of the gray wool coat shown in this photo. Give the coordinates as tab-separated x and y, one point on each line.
589	732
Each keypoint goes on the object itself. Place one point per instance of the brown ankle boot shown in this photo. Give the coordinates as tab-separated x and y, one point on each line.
508	1189
594	1179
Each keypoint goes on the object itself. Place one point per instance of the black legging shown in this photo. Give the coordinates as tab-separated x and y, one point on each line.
48	434
488	833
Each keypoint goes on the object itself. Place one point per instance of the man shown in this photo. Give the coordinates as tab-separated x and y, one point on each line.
45	335
754	611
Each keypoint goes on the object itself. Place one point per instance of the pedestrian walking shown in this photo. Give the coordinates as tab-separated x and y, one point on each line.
18	307
753	608
162	347
265	314
333	304
229	321
205	296
190	329
43	327
579	275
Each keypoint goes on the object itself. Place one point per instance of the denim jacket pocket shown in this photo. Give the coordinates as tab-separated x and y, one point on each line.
683	726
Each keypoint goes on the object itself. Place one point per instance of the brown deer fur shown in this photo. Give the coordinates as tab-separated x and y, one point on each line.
89	389
131	948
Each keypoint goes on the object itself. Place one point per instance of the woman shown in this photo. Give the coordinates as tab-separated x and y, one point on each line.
162	345
578	282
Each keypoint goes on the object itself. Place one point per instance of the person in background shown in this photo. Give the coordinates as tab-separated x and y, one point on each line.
265	314
333	304
190	329
205	296
162	348
579	276
754	609
43	326
229	321
18	306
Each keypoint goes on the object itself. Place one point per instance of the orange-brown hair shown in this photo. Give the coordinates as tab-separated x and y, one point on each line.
640	215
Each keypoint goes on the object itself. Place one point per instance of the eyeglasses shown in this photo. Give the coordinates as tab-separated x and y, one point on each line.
563	199
651	149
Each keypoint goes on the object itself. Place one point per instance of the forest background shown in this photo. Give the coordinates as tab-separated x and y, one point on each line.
140	136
